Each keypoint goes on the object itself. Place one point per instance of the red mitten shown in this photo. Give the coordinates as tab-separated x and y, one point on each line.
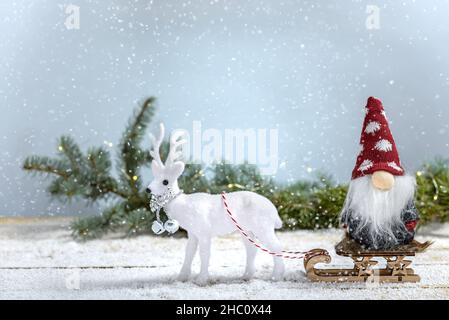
411	225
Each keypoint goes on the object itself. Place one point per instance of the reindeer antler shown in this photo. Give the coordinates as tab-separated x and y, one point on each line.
173	154
155	153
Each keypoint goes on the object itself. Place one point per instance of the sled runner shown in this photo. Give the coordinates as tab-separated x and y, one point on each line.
396	270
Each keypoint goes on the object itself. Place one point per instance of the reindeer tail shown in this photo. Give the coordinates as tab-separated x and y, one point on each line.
277	222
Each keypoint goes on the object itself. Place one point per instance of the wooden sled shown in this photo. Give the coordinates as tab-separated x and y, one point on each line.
396	270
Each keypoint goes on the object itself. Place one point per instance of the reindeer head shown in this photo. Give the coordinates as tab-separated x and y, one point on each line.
165	176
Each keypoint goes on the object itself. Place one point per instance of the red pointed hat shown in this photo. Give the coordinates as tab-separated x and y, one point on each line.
378	149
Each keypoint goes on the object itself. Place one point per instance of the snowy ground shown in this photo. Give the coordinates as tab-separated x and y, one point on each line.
39	260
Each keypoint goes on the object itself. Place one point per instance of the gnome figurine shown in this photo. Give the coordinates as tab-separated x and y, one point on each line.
379	211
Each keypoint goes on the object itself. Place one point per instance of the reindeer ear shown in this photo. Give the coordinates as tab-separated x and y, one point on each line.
155	167
177	168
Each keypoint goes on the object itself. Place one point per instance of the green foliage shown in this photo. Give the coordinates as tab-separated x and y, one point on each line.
229	178
131	156
433	191
310	204
305	204
193	179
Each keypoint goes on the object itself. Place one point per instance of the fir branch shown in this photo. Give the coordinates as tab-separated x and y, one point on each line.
131	155
101	183
45	165
70	149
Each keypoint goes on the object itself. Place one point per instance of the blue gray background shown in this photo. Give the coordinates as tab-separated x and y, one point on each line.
304	67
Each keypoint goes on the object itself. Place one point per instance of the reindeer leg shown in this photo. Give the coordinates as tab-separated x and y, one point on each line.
203	276
192	245
270	241
251	252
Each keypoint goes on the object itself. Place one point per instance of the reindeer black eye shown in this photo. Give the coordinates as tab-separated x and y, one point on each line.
165	182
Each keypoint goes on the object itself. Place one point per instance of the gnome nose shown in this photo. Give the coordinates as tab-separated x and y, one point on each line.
382	180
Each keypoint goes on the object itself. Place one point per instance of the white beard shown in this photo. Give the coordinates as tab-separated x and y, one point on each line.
378	210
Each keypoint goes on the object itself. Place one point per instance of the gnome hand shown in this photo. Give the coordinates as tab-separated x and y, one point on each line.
382	180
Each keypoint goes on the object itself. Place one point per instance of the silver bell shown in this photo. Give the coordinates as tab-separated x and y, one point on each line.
171	226
157	227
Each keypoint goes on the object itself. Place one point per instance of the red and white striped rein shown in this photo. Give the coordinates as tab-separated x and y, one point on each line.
283	254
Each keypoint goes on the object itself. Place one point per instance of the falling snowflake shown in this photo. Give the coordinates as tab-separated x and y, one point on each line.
383	145
384	114
372	127
366	164
394	166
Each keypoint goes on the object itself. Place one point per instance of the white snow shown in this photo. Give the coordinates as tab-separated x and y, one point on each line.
39	260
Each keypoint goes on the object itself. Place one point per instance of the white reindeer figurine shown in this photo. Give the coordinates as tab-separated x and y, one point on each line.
203	215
